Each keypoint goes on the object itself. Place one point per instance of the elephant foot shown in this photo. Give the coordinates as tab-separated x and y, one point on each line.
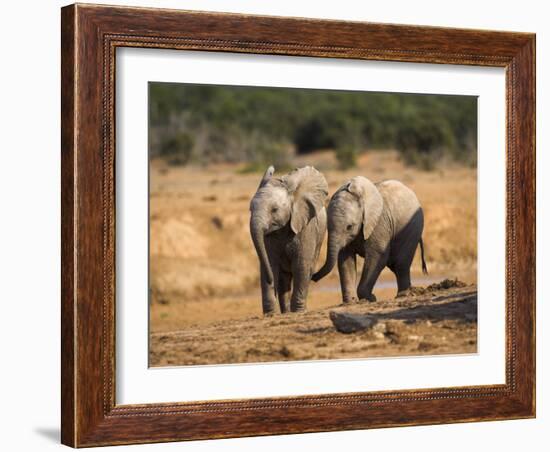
348	301
368	298
298	309
269	313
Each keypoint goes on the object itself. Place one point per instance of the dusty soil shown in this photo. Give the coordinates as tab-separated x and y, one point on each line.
440	319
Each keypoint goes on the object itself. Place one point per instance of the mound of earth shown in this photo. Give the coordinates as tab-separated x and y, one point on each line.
439	319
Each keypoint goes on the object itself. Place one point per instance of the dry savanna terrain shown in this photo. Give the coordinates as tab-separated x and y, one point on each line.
205	305
438	321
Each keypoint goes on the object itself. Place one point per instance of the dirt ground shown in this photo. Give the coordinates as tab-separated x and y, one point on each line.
204	271
438	322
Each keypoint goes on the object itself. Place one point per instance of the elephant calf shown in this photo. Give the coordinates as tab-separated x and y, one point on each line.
381	222
288	222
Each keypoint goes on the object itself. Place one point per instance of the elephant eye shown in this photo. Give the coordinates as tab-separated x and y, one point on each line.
348	227
274	209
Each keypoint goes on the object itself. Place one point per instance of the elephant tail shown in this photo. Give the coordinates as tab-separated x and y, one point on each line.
424	267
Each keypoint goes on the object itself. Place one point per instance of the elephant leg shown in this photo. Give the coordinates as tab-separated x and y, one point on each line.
284	288
347	269
268	293
403	252
374	264
402	270
402	267
301	274
403	276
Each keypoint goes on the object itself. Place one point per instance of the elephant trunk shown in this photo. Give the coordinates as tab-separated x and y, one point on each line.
258	237
332	255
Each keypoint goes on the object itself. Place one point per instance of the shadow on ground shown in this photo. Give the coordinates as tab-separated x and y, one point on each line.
50	433
461	307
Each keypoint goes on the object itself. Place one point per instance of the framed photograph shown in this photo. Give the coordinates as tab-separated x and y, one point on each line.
282	225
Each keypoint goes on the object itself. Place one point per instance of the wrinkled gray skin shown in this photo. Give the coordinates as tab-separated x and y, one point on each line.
288	222
382	223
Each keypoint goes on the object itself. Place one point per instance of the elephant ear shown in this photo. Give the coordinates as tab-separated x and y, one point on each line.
308	189
267	176
371	202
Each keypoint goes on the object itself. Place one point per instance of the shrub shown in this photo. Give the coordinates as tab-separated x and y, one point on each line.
264	152
423	140
207	123
346	156
177	149
350	141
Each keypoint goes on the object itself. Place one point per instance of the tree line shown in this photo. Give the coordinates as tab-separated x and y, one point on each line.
259	125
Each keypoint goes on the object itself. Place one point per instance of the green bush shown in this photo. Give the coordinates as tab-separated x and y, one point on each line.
424	139
177	149
265	152
314	134
207	123
350	140
346	156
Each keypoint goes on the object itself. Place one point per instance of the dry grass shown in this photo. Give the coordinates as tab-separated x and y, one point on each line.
203	265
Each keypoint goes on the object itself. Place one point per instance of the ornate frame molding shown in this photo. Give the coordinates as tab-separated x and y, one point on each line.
90	37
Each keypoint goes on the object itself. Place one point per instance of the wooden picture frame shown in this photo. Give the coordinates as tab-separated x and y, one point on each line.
90	36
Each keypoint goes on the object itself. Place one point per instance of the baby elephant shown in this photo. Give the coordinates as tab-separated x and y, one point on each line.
288	222
381	222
